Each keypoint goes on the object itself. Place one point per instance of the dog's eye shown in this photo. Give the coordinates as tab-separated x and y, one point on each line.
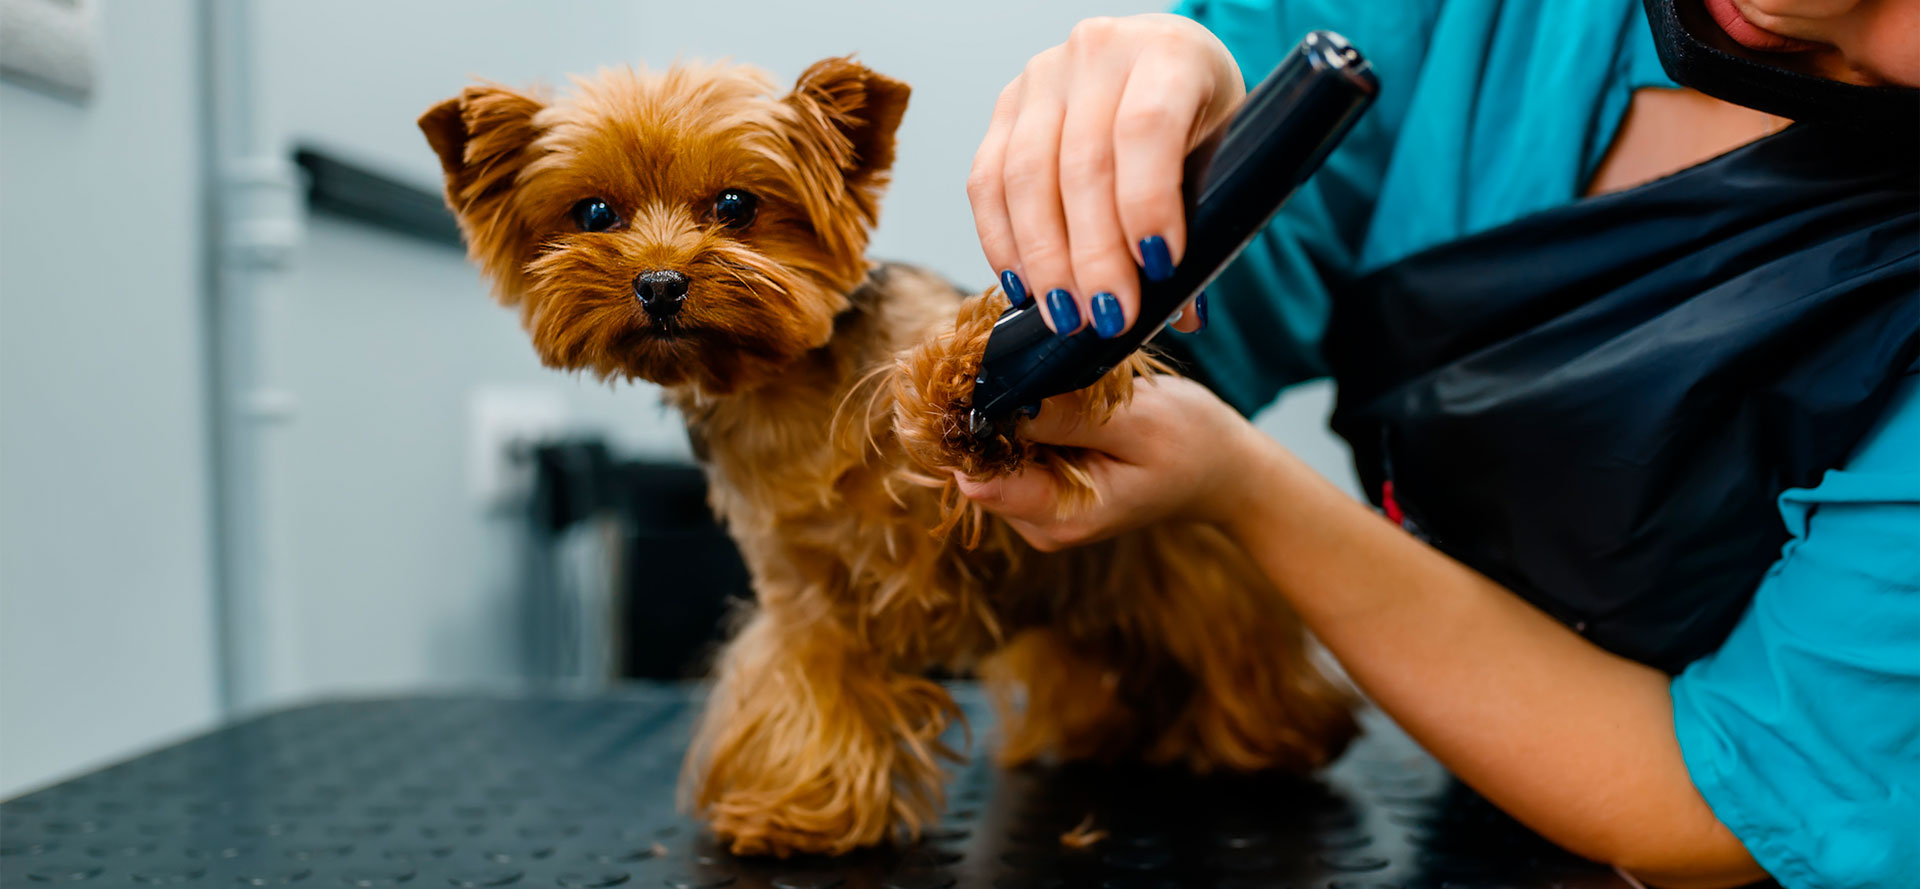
595	215
735	207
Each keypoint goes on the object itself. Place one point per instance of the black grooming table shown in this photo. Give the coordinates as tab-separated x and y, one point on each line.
579	793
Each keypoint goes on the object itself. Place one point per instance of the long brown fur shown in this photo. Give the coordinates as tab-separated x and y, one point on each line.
821	392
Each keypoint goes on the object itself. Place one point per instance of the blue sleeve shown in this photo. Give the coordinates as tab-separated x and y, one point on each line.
1269	308
1489	110
1803	731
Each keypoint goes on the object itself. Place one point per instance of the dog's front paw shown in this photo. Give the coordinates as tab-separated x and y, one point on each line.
933	395
746	825
808	747
933	392
858	780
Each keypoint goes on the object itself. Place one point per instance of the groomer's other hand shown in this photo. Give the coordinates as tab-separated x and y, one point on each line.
1175	451
1078	178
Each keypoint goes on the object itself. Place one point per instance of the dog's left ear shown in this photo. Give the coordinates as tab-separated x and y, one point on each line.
850	112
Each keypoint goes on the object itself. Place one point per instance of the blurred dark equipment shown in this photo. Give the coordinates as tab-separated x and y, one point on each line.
627	573
345	188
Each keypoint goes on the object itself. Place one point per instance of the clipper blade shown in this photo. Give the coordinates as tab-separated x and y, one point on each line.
978	425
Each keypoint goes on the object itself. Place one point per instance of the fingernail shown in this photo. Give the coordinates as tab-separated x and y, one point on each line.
1030	410
1155	260
1066	316
1010	285
1108	318
1199	310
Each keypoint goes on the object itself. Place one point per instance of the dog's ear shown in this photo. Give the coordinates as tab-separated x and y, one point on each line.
844	117
484	138
851	112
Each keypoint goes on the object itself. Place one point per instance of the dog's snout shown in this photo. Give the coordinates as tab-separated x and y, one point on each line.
661	291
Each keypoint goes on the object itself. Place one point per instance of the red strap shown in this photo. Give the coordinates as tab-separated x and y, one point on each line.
1390	505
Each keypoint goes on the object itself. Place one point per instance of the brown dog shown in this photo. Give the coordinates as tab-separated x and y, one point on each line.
697	229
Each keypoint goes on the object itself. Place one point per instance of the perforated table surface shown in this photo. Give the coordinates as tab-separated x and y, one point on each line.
578	793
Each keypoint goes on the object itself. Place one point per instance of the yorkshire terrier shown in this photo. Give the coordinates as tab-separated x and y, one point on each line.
699	229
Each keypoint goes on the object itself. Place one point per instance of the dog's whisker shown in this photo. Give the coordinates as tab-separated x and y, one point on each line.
731	270
871	376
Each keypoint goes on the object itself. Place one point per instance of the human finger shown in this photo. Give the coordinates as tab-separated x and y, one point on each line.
1103	269
1030	180
986	194
1152	128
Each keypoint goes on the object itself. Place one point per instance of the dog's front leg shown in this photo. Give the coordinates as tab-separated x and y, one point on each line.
810	745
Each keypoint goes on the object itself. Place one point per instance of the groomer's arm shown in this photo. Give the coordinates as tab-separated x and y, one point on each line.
1577	743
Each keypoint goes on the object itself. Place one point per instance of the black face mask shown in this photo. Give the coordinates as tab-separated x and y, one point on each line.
1887	111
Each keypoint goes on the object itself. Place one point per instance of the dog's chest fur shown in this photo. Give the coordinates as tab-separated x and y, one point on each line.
806	476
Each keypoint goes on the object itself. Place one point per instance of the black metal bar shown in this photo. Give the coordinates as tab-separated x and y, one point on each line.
351	191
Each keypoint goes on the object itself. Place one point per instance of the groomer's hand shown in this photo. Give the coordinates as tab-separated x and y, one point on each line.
1078	178
1175	451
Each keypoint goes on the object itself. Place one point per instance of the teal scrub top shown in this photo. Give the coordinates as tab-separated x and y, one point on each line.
1802	731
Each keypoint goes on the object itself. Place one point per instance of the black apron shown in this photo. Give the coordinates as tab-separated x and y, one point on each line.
1598	405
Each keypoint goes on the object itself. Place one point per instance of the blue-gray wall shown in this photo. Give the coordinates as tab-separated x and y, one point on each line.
106	609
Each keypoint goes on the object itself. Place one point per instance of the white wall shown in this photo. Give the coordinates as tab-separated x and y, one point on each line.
106	624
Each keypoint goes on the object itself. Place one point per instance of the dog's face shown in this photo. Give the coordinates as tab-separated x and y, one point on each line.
691	227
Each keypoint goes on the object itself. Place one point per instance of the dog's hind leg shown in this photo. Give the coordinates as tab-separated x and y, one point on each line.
1055	699
809	745
1259	699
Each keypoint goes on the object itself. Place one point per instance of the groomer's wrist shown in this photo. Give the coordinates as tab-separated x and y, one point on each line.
1253	477
1276	499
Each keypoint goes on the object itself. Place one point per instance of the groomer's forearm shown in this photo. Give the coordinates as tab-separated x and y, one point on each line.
1573	741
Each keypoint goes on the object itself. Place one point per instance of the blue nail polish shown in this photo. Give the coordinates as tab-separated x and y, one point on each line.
1015	290
1030	410
1066	315
1108	318
1155	259
1199	309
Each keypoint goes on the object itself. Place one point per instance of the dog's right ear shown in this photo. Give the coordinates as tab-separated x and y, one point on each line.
446	130
484	138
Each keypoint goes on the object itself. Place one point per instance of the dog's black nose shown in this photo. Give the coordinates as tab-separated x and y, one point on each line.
661	291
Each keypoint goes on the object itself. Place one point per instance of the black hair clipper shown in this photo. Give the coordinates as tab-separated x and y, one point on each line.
1235	181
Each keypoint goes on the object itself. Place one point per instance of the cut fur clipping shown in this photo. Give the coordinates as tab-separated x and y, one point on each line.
1083	835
